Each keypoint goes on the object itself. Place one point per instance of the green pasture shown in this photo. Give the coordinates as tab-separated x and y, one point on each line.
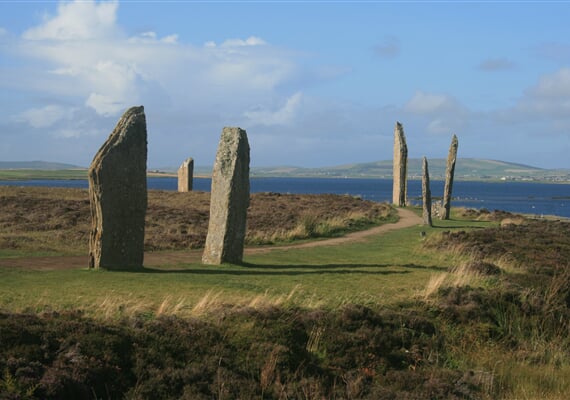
381	270
25	174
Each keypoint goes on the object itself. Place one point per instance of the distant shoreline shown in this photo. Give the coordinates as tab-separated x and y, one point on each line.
7	175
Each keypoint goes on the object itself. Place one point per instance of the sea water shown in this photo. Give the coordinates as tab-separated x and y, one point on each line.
518	197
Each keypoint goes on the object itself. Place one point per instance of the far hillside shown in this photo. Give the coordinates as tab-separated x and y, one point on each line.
466	169
39	165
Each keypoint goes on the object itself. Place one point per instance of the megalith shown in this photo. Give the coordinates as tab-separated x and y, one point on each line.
118	195
186	175
400	167
426	193
449	173
229	199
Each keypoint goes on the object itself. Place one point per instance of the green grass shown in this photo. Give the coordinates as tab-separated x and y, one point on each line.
382	270
25	174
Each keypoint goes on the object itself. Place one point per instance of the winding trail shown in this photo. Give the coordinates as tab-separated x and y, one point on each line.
407	218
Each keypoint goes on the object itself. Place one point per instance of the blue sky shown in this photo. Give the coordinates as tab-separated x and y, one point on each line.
314	83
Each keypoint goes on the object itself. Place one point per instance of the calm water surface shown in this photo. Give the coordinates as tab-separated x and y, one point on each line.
520	197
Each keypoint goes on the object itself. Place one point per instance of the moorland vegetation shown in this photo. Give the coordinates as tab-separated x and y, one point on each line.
477	307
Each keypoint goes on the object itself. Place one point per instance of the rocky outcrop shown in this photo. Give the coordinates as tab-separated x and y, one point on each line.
400	167
118	195
426	193
186	175
229	199
449	173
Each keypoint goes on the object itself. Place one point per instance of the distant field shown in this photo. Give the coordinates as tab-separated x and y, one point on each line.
25	174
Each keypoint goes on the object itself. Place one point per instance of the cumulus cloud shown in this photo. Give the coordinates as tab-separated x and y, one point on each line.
152	37
543	107
546	103
283	116
429	103
80	56
83	46
250	41
78	20
443	114
388	48
496	64
44	117
553	86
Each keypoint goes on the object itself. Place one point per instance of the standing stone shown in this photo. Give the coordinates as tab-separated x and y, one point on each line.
400	167
118	195
229	199
185	175
449	173
426	193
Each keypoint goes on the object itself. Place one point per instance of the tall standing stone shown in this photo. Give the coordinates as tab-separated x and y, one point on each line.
449	173
118	195
400	167
186	175
229	199
426	193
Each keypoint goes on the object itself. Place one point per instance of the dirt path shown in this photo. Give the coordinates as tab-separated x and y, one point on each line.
407	219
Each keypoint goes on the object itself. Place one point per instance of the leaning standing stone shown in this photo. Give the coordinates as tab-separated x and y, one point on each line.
229	199
426	193
185	175
449	173
400	167
118	195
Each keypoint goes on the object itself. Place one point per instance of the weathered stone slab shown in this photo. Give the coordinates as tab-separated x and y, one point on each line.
449	173
400	167
426	193
229	199
186	175
118	195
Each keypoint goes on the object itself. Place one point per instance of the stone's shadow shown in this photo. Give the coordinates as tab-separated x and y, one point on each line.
248	269
454	227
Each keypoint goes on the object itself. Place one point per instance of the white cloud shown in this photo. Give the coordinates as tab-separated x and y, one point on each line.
78	20
250	41
3	31
553	86
427	103
189	92
110	71
152	37
282	116
170	39
44	117
442	114
105	105
77	132
548	101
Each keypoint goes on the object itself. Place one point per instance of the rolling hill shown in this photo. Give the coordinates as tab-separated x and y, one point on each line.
466	168
38	165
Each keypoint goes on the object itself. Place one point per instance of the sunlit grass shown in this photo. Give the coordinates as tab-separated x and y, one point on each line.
381	270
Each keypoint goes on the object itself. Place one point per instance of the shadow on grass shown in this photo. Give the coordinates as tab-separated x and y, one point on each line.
450	228
292	270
